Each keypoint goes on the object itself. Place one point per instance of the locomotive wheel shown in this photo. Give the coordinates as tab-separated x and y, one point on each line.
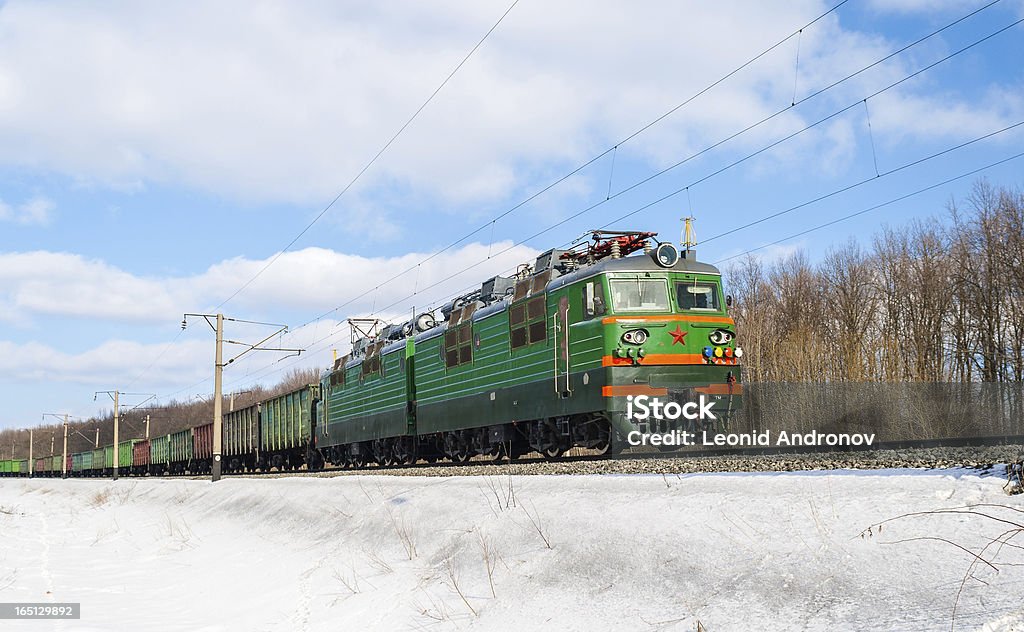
497	452
405	452
604	443
553	451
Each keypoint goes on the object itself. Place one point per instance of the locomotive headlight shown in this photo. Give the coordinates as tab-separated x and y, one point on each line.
708	351
718	352
721	336
635	336
738	352
665	255
728	352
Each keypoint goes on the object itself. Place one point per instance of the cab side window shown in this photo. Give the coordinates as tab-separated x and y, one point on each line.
593	299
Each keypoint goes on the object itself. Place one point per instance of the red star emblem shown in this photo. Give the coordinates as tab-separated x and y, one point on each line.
678	336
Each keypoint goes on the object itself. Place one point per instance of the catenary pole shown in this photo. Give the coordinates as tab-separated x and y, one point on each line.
216	322
64	461
117	451
218	371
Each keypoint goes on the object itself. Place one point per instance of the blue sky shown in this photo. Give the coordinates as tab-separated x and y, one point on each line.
154	157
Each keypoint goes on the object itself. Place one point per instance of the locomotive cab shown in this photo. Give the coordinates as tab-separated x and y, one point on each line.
669	359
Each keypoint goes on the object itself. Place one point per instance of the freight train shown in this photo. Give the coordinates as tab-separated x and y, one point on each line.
544	361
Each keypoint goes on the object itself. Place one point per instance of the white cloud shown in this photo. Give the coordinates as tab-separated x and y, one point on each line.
897	117
286	101
66	288
70	285
176	370
309	280
103	365
34	211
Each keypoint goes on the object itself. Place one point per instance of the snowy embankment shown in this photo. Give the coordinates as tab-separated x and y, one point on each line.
735	551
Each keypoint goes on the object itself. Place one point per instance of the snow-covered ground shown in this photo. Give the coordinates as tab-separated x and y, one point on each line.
736	551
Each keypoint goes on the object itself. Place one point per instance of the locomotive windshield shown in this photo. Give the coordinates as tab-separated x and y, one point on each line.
697	296
636	295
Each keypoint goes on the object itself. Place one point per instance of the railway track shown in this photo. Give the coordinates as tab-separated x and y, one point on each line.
975	452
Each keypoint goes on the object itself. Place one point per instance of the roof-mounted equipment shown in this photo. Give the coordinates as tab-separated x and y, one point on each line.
607	244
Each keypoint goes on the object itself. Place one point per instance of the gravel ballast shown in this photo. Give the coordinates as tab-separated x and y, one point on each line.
979	458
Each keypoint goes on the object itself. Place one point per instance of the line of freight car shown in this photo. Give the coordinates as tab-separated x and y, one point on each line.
14	467
276	433
48	466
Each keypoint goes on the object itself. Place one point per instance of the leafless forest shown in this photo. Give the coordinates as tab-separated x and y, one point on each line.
919	333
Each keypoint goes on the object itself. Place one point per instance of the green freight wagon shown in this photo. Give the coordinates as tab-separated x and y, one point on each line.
159	454
55	464
22	467
98	460
78	463
179	450
241	439
366	409
285	428
124	455
5	467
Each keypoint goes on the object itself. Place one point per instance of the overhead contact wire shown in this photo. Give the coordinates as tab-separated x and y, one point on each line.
373	160
601	155
816	93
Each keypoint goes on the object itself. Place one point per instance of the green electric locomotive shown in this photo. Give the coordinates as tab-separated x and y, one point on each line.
588	347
